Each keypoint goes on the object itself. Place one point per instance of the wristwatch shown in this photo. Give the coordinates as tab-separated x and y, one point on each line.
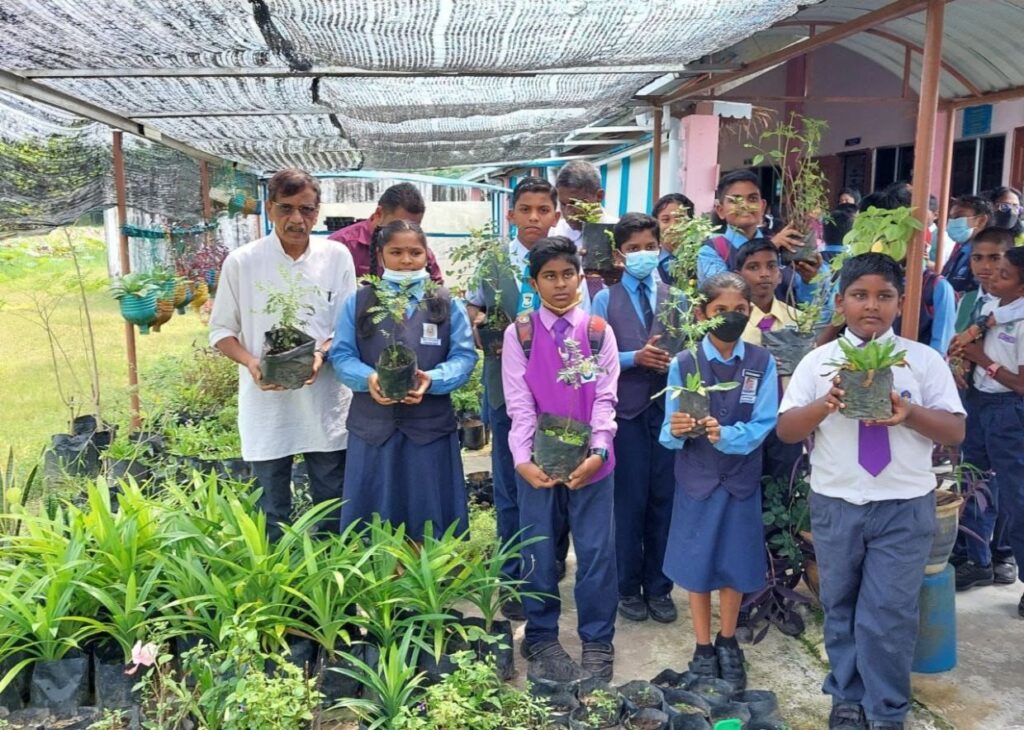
992	369
603	453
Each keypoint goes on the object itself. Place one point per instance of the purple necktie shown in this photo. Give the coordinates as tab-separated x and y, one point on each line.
873	452
560	327
765	325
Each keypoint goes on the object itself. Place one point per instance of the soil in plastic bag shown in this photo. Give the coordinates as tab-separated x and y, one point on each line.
672	344
646	719
807	252
71	456
60	685
113	686
696	405
289	369
14	695
597	246
499	645
588	716
867	403
472	434
788	347
556	457
491	338
640	695
397	380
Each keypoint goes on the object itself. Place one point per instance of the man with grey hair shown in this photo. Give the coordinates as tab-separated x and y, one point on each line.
276	424
577	181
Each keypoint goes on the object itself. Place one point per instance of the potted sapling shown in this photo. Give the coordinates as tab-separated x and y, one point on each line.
865	374
396	365
791	148
561	443
136	295
792	343
597	241
599	708
486	260
687	236
288	353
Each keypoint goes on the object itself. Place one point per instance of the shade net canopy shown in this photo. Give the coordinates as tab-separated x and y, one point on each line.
319	84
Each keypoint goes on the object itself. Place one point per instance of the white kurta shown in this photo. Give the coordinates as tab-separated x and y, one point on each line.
273	424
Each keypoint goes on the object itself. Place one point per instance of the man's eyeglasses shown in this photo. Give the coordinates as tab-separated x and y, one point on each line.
306	211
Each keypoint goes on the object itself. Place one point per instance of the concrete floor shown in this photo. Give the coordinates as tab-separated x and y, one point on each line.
985	690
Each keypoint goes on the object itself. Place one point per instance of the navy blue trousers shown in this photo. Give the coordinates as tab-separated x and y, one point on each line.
274	477
995	433
506	498
588	514
871	560
644	488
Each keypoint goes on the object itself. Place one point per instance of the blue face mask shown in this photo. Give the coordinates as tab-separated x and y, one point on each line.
641	263
405	277
958	230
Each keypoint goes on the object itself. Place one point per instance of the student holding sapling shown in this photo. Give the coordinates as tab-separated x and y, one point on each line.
404	461
644	483
716	537
668	211
872	501
309	278
559	371
995	420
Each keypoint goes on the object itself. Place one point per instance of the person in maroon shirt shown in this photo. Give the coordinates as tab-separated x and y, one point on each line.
399	202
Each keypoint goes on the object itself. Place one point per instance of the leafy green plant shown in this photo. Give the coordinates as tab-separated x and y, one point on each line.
467	399
785	513
686	237
484	263
577	370
882	231
873	356
695	384
393	301
288	307
14	495
137	284
587	212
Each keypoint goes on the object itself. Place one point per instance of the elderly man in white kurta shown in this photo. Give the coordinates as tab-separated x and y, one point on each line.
276	424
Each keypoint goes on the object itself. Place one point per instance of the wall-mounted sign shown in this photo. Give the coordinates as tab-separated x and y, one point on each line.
977	120
852	141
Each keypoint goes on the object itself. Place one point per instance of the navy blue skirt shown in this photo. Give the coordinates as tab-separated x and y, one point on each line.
716	543
404	482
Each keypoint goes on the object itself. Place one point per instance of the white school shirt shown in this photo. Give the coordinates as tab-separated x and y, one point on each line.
835	468
1004	343
273	424
562	228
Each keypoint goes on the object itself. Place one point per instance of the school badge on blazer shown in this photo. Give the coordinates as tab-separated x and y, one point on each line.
751	381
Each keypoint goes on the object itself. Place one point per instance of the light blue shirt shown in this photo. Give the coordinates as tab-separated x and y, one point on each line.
944	317
737	438
446	377
632	287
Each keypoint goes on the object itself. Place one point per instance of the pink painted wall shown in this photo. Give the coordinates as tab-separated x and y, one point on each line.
698	159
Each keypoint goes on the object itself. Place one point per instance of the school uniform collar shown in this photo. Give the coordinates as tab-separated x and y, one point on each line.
547	318
711	352
416	291
663	254
632	283
777	310
737	238
854	339
833	248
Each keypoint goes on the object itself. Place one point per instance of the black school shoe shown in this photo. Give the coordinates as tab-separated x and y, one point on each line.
704	666
547	661
633	608
971	575
662	609
1004	572
884	725
512	609
846	716
730	663
598	659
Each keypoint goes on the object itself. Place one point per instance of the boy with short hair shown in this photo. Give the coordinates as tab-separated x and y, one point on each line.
535	353
644	484
872	507
668	211
757	262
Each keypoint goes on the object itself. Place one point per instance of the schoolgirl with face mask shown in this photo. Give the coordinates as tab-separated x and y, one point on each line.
1007	211
968	215
716	540
404	461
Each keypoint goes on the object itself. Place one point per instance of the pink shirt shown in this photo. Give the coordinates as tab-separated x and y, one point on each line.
522	408
357	238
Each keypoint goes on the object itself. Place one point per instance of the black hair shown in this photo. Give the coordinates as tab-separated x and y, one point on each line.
534	185
666	200
852	192
996	193
868	264
550	249
879	199
736	176
900	193
291	181
1002	237
635	223
713	286
837	225
933	203
849	208
975	203
754	245
579	175
1016	258
404	196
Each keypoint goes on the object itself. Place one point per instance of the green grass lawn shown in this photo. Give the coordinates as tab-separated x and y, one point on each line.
37	271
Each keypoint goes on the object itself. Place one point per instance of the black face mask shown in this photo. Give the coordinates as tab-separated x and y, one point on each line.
1005	219
732	326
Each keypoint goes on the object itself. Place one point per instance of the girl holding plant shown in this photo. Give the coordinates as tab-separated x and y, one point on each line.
404	462
716	540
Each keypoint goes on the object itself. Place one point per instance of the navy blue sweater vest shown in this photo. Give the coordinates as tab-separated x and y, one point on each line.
636	384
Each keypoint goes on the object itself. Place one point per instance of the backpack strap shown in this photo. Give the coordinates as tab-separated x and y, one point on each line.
595	333
722	247
596	328
931	280
524	331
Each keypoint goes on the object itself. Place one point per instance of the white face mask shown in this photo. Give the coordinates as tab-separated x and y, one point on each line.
405	277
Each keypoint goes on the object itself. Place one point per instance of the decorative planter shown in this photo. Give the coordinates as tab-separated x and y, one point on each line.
138	310
212	280
164	312
867	402
399	377
185	291
553	448
200	295
947	519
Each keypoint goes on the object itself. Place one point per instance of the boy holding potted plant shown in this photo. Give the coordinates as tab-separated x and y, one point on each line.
404	462
716	537
561	366
994	408
668	211
644	483
873	505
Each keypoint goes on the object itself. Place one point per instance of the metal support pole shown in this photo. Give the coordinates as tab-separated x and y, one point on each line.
656	158
924	143
947	184
126	266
